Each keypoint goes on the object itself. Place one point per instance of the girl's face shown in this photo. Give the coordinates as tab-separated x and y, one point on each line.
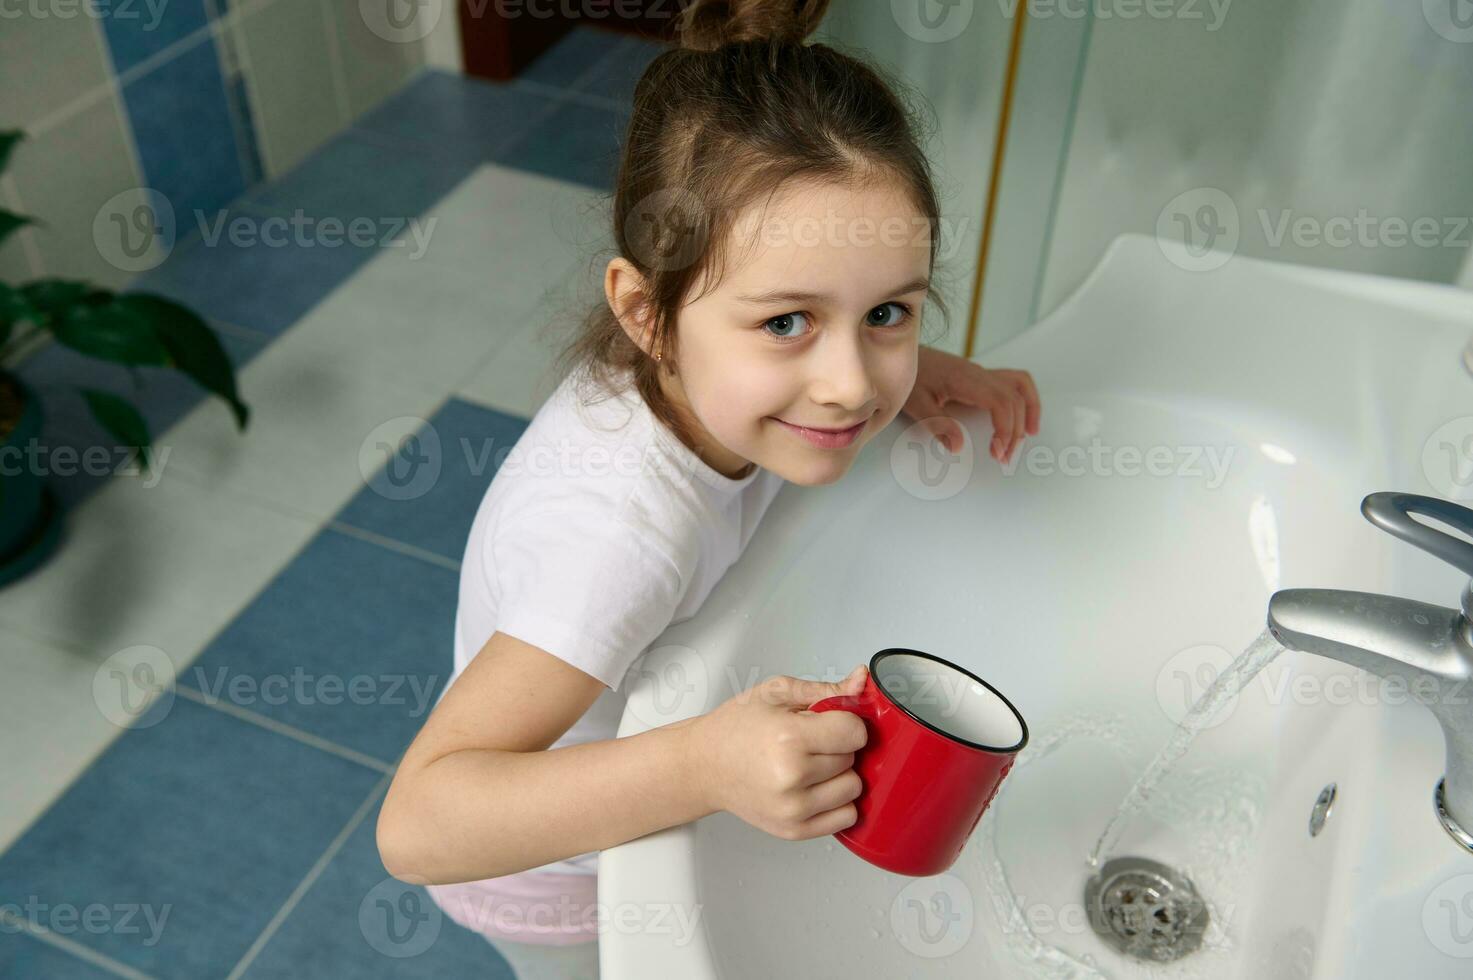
816	327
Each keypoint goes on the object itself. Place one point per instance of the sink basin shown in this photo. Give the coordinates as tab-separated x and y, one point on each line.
1224	428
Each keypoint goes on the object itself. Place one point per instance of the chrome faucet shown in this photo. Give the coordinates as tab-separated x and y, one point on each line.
1427	647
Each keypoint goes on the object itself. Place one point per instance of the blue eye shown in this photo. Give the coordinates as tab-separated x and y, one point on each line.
785	326
900	317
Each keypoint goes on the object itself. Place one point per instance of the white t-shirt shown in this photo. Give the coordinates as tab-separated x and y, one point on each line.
599	530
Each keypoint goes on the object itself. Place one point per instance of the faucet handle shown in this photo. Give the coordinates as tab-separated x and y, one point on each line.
1392	512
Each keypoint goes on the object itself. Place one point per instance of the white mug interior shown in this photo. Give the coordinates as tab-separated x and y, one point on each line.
949	700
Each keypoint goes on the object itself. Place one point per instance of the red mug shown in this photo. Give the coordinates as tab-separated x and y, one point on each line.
941	739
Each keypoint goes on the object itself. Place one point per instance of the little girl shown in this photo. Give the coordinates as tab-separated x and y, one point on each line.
777	229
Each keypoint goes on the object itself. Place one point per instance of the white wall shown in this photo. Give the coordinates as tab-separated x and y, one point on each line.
1310	110
442	46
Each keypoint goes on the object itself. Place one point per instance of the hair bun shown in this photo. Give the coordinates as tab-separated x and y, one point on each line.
708	24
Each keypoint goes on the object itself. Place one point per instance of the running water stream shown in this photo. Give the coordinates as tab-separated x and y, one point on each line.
1223	689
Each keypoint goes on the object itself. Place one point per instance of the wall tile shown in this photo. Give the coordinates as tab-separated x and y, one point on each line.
45	63
137	31
372	67
186	139
64	177
295	103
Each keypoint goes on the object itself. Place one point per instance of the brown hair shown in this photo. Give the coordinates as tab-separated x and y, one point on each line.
742	106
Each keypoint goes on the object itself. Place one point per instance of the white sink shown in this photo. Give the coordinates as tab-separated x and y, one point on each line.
1093	601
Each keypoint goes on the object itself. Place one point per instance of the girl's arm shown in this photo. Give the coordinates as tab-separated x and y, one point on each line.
477	795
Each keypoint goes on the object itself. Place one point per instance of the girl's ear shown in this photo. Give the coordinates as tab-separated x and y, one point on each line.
624	288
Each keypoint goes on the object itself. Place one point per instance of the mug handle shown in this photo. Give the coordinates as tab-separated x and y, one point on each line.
857	703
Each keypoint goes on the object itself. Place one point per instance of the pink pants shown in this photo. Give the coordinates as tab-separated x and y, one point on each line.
539	907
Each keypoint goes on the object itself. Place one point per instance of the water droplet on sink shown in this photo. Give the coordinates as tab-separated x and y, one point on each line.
874	934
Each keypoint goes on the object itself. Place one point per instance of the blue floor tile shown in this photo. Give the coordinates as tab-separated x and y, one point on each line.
360	174
356	921
462	120
352	642
616	75
577	143
469	442
163	398
259	283
203	821
23	958
572	56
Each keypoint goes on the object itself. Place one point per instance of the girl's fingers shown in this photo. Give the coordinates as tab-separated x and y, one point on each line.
835	792
1020	422
1002	425
826	765
824	824
1034	406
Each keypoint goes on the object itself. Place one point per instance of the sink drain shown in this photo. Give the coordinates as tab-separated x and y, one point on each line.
1145	910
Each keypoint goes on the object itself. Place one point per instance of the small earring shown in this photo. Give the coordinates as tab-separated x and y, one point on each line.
657	355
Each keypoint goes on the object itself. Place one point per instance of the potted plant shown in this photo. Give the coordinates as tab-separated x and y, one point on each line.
133	330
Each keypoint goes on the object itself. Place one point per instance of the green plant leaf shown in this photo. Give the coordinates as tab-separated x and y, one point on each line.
52	296
195	349
121	420
10	221
8	139
109	330
13	309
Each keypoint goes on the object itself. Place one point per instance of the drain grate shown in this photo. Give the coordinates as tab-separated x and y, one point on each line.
1146	910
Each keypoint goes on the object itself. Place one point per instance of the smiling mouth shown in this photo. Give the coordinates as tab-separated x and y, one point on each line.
827	438
833	431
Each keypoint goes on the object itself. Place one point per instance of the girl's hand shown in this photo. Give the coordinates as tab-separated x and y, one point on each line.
783	769
1009	396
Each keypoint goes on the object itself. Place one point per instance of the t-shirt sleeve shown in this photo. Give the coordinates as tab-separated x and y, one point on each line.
590	589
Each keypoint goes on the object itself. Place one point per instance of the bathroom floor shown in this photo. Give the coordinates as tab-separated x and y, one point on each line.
302	592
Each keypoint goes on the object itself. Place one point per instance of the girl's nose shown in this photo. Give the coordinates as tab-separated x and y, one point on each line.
841	376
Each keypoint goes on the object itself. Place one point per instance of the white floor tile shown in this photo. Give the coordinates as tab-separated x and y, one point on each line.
317	415
49	719
519	377
409	323
164	566
515	232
